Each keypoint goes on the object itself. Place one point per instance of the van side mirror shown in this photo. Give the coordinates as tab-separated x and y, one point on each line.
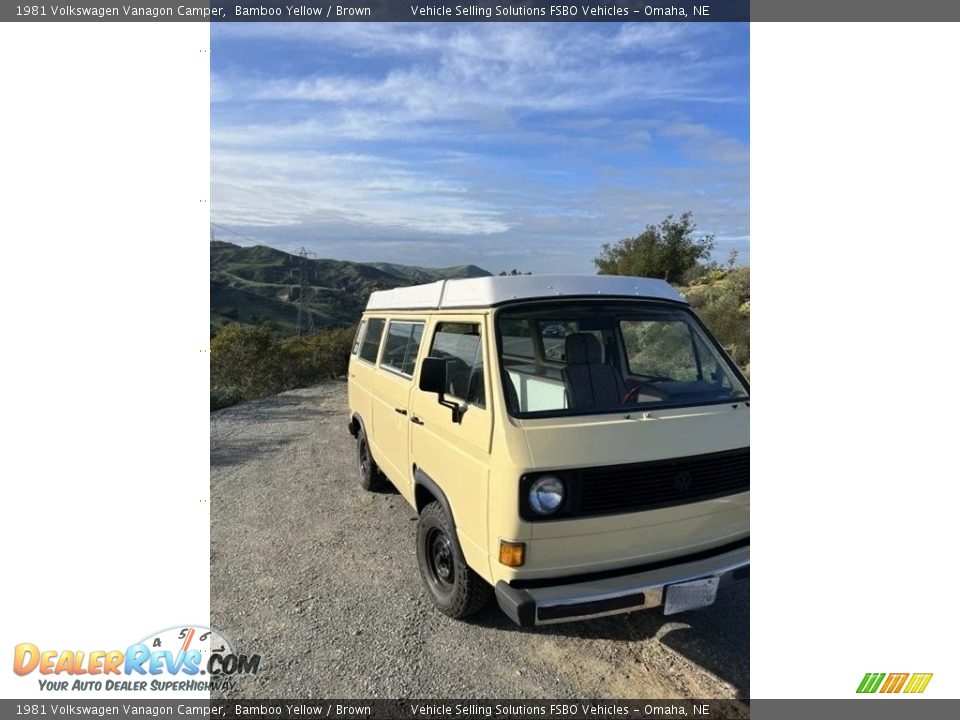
433	379
433	375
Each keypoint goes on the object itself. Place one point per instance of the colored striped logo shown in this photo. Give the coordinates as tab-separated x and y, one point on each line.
894	682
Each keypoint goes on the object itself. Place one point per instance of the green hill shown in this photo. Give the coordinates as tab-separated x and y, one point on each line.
261	285
418	275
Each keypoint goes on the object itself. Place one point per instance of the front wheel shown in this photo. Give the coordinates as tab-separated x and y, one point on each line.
455	589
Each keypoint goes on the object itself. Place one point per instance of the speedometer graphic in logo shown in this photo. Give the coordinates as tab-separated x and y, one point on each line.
197	648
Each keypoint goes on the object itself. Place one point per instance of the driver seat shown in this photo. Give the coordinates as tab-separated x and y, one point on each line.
590	382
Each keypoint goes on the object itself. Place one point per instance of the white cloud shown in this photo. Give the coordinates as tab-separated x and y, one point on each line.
276	189
707	143
359	161
451	74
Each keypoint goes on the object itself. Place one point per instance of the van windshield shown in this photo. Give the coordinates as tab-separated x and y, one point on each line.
593	357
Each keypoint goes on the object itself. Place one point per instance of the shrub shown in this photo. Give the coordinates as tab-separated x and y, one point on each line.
224	397
249	361
244	357
309	359
722	300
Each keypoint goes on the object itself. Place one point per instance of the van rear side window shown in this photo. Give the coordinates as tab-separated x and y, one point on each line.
358	338
371	340
403	345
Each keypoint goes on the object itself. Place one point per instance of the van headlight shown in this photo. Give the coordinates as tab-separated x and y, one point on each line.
546	495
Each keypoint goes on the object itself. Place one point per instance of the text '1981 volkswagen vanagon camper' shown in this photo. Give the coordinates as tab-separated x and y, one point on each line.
577	446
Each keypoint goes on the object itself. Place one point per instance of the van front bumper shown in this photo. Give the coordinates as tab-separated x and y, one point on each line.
564	600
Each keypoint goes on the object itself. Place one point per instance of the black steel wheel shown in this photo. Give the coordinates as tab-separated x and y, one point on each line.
370	476
439	557
453	587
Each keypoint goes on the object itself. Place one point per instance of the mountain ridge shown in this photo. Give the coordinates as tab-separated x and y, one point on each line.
261	285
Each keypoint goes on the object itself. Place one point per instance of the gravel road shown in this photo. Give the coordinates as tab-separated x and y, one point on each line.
320	578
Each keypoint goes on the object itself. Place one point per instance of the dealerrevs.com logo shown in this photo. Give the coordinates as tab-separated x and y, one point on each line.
180	658
910	683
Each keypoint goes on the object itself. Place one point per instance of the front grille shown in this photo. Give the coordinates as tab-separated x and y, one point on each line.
661	483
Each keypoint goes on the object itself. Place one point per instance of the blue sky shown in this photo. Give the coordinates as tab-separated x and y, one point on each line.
506	145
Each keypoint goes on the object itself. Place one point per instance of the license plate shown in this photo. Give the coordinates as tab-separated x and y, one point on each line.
690	595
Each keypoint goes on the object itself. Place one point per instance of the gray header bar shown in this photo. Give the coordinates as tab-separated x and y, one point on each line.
872	708
382	11
482	11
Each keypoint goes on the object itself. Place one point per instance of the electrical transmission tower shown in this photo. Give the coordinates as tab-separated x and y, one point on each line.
304	316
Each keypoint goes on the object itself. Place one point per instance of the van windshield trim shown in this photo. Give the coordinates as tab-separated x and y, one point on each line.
624	411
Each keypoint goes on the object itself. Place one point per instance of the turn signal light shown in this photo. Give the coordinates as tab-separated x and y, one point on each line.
511	553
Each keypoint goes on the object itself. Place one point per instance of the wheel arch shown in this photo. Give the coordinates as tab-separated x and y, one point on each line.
426	490
356	425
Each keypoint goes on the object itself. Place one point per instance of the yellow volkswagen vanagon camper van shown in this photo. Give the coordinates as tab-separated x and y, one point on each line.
576	446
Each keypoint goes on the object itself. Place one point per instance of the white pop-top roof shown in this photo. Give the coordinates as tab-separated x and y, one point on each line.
489	291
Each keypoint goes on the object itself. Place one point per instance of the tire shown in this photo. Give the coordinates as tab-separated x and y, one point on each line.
370	476
455	589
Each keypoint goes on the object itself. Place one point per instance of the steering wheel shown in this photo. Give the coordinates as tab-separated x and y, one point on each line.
633	392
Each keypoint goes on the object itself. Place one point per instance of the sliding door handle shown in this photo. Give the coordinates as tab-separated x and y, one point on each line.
402	411
416	421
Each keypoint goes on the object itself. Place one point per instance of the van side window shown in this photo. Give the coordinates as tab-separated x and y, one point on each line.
517	337
358	337
371	340
459	344
403	344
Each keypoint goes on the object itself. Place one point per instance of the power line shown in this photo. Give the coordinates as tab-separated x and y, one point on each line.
304	316
234	232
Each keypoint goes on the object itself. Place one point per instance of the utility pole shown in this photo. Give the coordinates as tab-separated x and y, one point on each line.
304	316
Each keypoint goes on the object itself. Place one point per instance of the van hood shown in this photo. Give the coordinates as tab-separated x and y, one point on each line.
595	440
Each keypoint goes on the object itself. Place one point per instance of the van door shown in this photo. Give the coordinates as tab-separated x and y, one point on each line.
391	400
456	455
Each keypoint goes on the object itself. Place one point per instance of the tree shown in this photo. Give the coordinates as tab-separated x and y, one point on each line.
732	259
668	250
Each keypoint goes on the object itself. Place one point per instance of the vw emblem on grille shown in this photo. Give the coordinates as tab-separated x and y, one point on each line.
683	480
